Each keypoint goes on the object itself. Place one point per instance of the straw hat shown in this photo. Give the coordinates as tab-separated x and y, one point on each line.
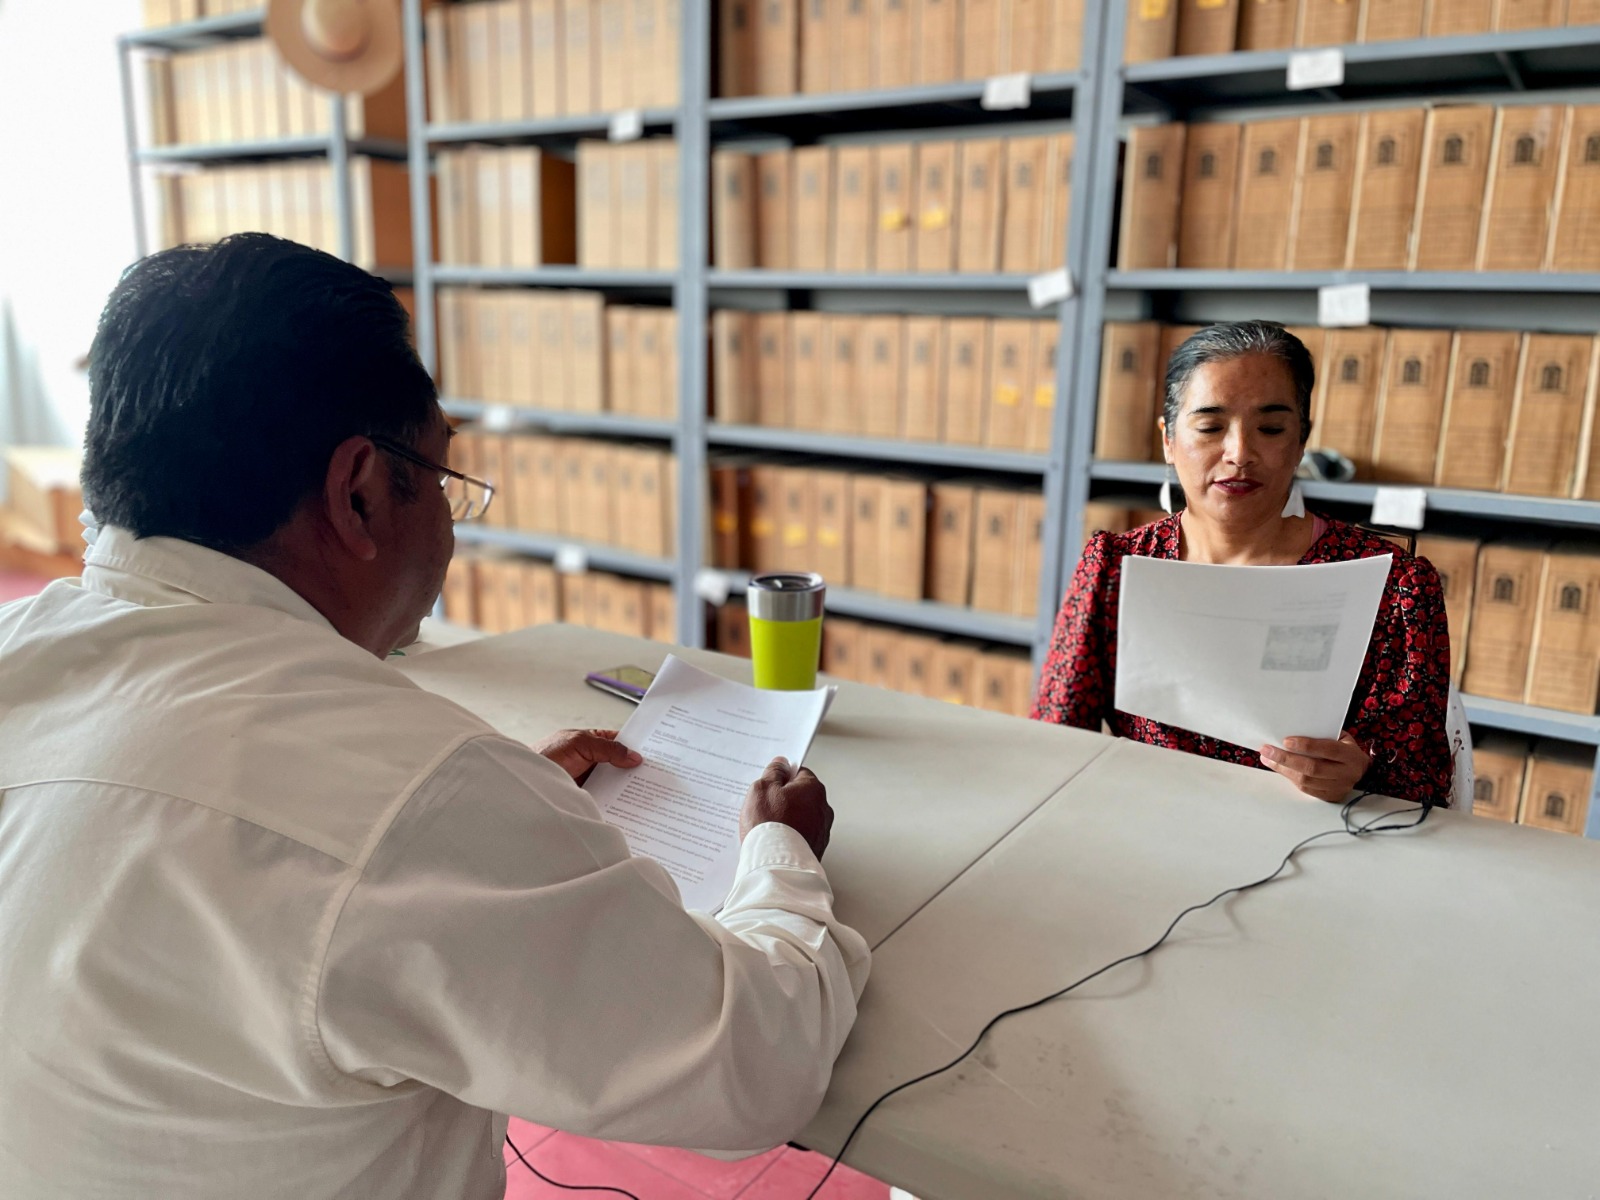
339	45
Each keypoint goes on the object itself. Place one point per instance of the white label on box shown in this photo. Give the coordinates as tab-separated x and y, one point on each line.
1316	69
1052	287
1004	92
498	418
1344	305
626	126
713	586
572	560
1399	507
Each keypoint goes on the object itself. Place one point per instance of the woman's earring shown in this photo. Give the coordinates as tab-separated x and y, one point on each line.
1297	502
1166	491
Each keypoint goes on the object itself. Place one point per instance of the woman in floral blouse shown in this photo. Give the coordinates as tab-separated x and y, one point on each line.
1236	416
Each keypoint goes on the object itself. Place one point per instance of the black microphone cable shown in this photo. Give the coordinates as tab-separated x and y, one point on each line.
1381	823
1348	826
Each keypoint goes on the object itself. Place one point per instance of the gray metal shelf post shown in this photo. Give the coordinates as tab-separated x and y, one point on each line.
689	299
1062	475
420	166
1099	221
130	133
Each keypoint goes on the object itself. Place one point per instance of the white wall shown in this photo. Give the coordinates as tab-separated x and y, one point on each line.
66	225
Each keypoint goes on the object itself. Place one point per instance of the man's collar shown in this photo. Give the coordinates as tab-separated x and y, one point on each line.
160	570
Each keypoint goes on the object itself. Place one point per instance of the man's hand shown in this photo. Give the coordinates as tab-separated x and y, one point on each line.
576	751
1320	767
791	797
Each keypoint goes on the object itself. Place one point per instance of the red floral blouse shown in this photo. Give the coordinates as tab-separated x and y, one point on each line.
1401	697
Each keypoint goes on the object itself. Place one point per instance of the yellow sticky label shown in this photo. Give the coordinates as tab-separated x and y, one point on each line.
1152	10
725	523
794	535
762	527
1210	3
1044	396
829	538
1008	394
935	218
893	219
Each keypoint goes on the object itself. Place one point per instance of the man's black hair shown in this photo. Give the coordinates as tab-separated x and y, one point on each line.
223	376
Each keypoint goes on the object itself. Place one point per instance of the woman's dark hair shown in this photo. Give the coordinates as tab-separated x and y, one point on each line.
222	377
1234	339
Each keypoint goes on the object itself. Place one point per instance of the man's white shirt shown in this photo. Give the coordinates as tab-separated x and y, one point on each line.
275	922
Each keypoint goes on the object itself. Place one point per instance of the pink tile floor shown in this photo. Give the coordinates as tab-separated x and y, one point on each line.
658	1173
14	585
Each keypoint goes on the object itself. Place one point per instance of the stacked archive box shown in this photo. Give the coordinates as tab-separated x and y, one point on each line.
1449	187
1233	210
511	167
502	61
235	141
512	205
1158	29
158	13
976	204
777	49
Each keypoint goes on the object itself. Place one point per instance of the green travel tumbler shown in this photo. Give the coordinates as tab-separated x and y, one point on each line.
786	629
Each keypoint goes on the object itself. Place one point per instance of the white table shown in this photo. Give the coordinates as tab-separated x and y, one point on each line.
920	789
1405	1016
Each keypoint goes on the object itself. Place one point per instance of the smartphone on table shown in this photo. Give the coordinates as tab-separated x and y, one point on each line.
631	683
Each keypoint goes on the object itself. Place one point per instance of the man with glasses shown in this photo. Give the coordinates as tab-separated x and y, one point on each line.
275	922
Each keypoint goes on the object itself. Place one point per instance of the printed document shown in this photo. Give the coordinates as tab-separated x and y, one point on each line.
705	740
1251	655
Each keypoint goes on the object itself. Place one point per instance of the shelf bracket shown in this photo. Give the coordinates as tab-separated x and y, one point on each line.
1513	76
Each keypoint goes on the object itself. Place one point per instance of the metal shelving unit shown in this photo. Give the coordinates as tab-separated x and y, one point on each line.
562	421
1098	98
697	124
927	615
1493	505
193	35
932	454
814	281
1536	722
296	147
554	129
1442	66
554	546
1496	282
884	109
553	276
1232	86
336	145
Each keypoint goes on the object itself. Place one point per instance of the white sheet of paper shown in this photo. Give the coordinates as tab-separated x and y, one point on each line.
705	740
1315	68
1402	508
1251	655
1051	287
1003	92
627	125
1344	305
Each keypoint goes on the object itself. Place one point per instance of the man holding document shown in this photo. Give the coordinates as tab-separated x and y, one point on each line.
276	922
1219	655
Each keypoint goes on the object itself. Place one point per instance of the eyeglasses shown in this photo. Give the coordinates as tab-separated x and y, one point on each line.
469	497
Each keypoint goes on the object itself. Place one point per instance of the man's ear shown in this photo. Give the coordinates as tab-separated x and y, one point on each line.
355	485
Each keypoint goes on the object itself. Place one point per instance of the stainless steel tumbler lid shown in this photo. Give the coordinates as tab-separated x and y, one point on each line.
786	596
